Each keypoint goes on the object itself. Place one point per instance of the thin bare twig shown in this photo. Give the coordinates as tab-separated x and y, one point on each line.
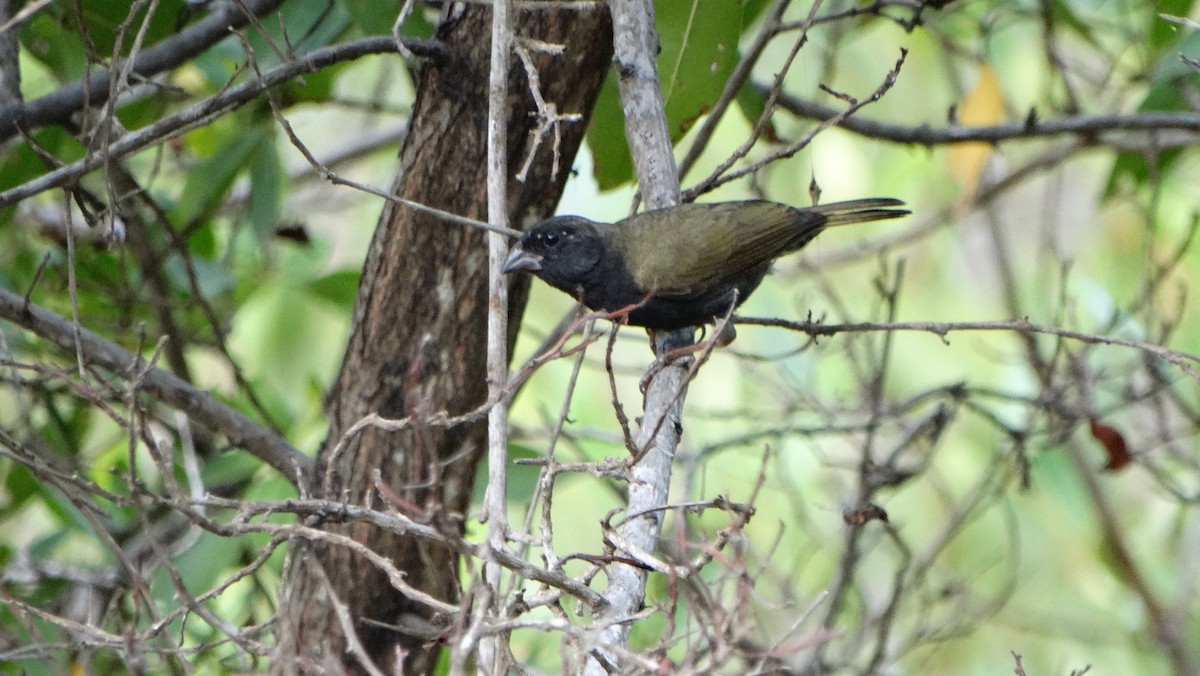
200	405
1187	362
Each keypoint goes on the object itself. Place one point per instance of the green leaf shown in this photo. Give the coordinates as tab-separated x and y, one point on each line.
753	9
751	103
20	484
21	163
1064	15
307	26
209	182
66	511
339	288
375	17
315	87
202	242
212	278
219	63
202	565
699	41
1135	168
267	182
285	340
52	35
1059	481
1164	33
229	468
273	487
44	546
104	19
522	479
1165	94
1171	69
611	163
43	37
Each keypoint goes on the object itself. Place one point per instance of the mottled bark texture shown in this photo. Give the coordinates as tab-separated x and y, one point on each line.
418	340
10	73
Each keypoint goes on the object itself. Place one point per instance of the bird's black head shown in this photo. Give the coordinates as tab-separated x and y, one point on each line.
563	251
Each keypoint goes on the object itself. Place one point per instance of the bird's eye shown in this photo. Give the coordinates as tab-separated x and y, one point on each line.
551	238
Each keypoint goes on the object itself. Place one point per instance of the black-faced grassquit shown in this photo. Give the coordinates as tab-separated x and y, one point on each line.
681	266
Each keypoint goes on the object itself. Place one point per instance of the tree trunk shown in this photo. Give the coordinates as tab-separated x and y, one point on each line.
10	71
417	345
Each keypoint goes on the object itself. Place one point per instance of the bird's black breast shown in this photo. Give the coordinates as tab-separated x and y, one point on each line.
611	288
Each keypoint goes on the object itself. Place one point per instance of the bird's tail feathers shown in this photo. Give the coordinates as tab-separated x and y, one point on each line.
861	211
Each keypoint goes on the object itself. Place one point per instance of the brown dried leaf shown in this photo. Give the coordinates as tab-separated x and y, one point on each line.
1114	445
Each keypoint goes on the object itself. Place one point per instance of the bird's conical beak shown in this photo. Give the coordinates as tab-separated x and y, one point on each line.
519	259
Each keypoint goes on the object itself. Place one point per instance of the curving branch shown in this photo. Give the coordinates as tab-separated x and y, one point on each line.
171	52
1187	362
201	112
1087	126
199	405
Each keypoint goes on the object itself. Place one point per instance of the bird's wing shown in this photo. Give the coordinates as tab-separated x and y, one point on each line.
701	246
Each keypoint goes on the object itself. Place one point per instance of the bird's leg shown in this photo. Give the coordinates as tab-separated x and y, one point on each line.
724	334
667	358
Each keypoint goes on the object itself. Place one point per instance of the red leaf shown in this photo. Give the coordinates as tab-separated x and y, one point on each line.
1114	445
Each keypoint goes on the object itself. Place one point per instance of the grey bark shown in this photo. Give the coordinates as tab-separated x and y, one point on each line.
635	50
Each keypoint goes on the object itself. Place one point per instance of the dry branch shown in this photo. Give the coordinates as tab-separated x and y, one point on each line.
201	406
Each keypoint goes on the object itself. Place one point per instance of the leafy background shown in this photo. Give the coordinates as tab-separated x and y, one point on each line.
995	541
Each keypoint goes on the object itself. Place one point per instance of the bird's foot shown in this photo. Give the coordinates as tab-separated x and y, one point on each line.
666	359
725	334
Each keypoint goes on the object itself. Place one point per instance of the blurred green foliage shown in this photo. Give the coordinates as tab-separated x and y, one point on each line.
261	268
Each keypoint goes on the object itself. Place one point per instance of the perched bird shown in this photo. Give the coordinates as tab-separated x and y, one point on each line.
681	266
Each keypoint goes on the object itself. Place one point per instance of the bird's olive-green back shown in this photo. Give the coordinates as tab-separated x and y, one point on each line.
693	247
